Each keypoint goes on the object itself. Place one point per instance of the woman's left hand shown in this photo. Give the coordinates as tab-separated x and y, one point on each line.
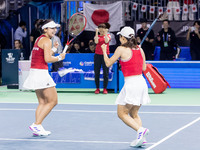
56	44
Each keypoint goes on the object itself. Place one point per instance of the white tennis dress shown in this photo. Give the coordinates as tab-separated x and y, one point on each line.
134	91
38	79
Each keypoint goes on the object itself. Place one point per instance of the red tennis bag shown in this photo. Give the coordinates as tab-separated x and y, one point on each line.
156	80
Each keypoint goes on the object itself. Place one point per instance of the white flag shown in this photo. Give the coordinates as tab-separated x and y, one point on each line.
194	8
135	5
97	14
177	10
169	10
144	8
160	10
185	9
152	9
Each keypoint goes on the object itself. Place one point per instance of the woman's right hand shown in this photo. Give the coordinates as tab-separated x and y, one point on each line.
63	55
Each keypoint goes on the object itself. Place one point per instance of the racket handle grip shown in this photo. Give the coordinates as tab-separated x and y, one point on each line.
65	49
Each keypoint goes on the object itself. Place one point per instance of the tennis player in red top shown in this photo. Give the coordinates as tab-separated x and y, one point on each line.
39	78
135	91
101	37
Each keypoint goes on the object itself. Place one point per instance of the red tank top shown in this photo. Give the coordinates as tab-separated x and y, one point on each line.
134	65
37	61
98	49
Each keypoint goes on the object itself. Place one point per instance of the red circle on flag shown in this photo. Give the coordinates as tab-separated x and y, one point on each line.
194	8
168	10
152	9
160	10
185	9
177	10
100	16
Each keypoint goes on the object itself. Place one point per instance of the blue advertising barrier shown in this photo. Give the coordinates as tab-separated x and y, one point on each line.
184	55
84	78
179	74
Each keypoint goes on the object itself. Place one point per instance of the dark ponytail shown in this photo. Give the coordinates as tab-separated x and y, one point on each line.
42	22
131	42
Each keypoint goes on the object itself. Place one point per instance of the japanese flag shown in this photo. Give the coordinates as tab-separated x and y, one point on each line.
152	9
97	14
135	5
194	8
144	8
160	10
177	10
169	11
185	9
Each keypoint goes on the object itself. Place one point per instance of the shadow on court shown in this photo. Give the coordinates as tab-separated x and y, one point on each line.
97	127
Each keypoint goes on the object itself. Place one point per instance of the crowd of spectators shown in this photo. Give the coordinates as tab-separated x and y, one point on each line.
84	43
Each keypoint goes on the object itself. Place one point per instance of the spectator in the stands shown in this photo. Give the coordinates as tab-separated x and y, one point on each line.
91	47
18	44
20	32
76	47
166	39
194	36
35	33
147	45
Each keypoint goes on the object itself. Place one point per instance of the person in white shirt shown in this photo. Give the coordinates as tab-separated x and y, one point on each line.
20	32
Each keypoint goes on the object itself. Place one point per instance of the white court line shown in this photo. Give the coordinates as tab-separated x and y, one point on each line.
90	104
172	134
96	111
66	141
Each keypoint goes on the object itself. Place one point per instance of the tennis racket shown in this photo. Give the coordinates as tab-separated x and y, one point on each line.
76	25
161	17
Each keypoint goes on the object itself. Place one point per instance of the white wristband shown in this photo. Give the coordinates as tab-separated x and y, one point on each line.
54	49
59	58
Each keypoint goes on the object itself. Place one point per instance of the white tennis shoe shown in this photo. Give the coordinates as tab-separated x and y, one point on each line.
141	136
133	144
38	130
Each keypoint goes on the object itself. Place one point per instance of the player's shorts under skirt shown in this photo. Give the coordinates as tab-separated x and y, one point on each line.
38	79
134	91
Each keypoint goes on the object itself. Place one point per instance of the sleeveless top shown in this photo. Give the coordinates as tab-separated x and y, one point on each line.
98	49
134	65
37	61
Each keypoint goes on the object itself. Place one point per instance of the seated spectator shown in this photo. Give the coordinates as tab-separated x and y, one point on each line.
18	44
76	47
91	48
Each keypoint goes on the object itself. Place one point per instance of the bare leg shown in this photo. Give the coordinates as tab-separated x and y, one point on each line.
134	114
123	113
47	100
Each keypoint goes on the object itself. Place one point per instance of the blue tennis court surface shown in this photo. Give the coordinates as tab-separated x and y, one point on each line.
97	127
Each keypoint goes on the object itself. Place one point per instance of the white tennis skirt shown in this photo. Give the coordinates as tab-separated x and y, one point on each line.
38	79
134	91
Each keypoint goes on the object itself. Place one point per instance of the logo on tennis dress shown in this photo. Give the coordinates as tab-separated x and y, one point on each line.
150	79
10	59
48	84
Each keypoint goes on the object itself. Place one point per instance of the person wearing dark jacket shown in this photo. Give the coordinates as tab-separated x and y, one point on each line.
147	46
194	36
166	39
